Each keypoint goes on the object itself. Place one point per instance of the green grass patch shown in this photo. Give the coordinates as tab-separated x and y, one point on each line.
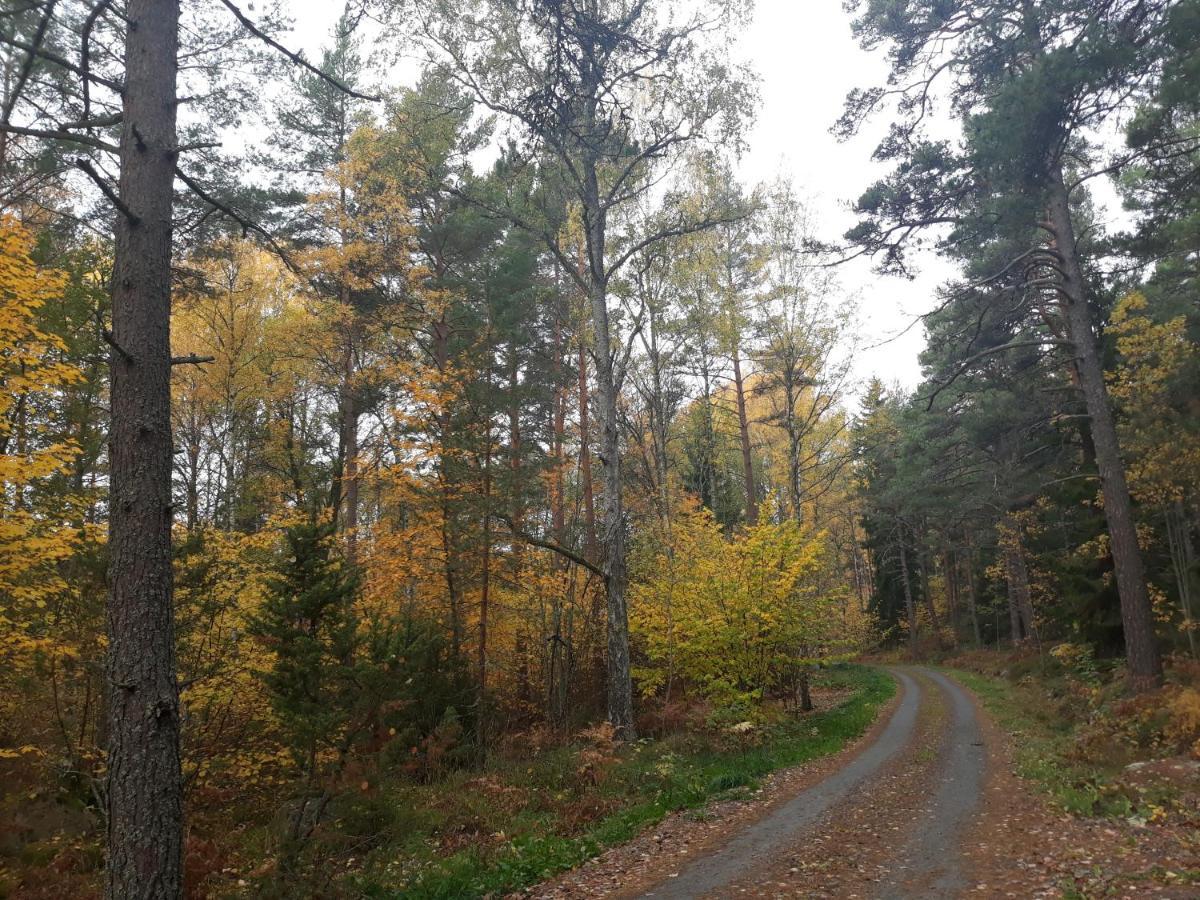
534	838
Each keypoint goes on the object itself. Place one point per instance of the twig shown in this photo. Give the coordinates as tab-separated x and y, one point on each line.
27	67
294	57
108	192
197	145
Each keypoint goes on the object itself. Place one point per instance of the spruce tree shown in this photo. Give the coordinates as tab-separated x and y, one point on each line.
308	620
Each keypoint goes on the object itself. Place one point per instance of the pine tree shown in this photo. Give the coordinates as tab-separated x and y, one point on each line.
1028	90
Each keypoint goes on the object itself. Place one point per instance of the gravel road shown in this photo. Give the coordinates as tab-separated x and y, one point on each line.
923	774
926	804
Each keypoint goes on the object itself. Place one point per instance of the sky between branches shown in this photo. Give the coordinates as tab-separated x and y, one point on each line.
807	60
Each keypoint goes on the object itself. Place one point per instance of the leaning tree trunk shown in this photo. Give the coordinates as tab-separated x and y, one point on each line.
1137	617
145	810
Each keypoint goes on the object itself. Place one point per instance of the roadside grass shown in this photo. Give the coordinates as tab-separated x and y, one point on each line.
1081	738
520	821
1042	742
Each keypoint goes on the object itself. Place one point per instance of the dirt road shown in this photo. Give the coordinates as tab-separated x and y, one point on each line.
925	805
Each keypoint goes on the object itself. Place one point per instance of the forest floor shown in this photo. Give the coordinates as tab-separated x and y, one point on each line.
927	804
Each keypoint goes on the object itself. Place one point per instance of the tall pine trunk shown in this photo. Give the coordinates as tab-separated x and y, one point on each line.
1012	571
349	476
1020	600
613	564
1137	617
926	593
145	790
585	459
485	596
972	597
950	574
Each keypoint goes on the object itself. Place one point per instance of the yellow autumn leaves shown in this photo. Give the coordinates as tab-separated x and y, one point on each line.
36	535
736	617
1163	459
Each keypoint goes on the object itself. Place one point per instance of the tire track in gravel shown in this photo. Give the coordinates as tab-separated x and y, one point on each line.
758	846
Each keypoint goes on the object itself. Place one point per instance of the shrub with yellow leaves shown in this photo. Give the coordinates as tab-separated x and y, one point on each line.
735	619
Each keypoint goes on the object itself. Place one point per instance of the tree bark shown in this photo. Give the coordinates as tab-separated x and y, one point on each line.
744	436
658	423
485	591
1137	616
585	459
1012	575
805	691
909	607
973	599
349	478
558	427
950	574
1183	564
620	686
926	593
1020	602
516	488
145	790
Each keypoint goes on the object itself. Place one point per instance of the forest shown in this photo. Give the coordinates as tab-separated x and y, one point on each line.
429	463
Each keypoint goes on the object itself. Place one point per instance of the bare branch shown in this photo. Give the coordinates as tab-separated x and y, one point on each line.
85	53
81	139
112	342
27	67
106	189
297	58
966	363
246	224
550	545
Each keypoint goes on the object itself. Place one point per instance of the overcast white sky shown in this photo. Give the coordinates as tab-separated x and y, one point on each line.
807	60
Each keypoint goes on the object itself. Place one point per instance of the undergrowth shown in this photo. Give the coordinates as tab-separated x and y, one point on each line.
519	821
1081	736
